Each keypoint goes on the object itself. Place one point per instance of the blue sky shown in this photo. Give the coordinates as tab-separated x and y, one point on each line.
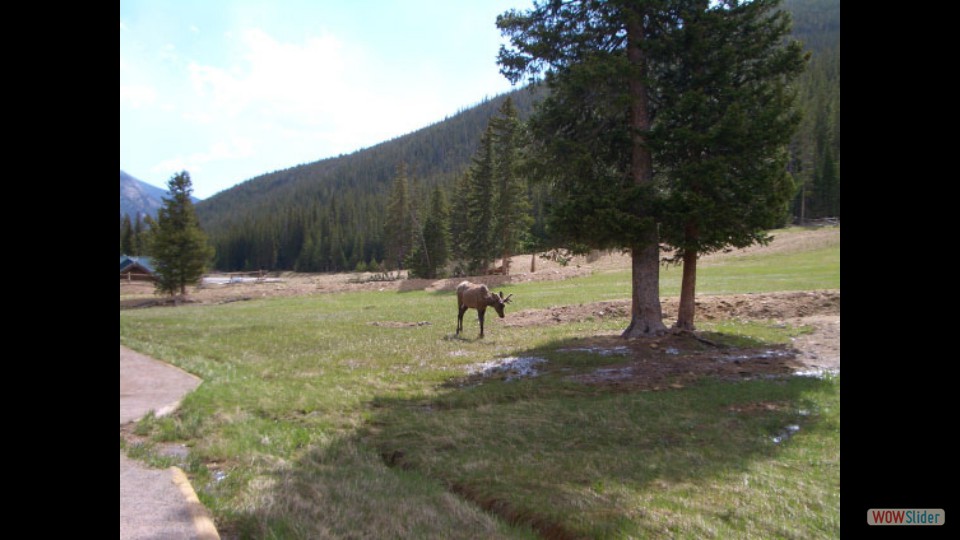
230	89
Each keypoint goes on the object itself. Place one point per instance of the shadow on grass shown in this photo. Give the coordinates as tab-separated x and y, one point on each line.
549	456
574	459
343	489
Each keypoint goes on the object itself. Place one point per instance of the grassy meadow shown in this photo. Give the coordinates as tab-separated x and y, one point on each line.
321	416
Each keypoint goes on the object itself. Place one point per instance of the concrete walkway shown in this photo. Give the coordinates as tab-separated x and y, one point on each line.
156	503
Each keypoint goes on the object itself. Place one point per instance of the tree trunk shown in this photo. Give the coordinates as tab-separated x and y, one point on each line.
533	262
646	315
688	292
803	203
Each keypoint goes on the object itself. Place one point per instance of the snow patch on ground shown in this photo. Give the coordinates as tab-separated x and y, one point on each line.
819	373
515	367
621	350
763	355
785	433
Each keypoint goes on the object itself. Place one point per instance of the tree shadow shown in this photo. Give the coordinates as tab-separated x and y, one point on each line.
570	450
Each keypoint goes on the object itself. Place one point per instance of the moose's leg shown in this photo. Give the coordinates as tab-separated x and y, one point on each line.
480	313
462	310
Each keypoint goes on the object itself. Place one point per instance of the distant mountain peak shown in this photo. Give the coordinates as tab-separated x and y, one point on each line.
137	196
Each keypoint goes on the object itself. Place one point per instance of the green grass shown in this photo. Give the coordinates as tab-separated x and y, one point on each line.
817	268
312	422
593	464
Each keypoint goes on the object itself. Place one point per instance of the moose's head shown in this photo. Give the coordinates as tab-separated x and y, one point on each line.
501	302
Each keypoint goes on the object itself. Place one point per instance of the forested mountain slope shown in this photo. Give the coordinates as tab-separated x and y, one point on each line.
816	148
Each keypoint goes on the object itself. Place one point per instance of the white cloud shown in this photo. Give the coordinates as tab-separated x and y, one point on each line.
137	95
275	78
321	89
276	103
123	26
169	53
231	149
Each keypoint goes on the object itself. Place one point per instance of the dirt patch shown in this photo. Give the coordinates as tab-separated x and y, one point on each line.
674	361
819	350
765	306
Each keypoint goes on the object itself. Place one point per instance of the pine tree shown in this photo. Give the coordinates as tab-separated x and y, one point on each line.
179	247
145	238
592	130
725	118
459	220
512	218
480	244
662	113
430	256
398	228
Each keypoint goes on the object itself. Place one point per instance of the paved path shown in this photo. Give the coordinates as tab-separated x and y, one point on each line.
156	503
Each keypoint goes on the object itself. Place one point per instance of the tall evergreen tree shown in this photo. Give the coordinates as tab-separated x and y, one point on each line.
697	89
459	218
480	246
398	229
430	256
145	238
593	128
724	120
512	218
179	247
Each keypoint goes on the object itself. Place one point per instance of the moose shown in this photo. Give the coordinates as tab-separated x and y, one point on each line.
478	297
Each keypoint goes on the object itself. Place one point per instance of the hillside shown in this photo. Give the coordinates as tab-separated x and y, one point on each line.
139	197
338	203
816	147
